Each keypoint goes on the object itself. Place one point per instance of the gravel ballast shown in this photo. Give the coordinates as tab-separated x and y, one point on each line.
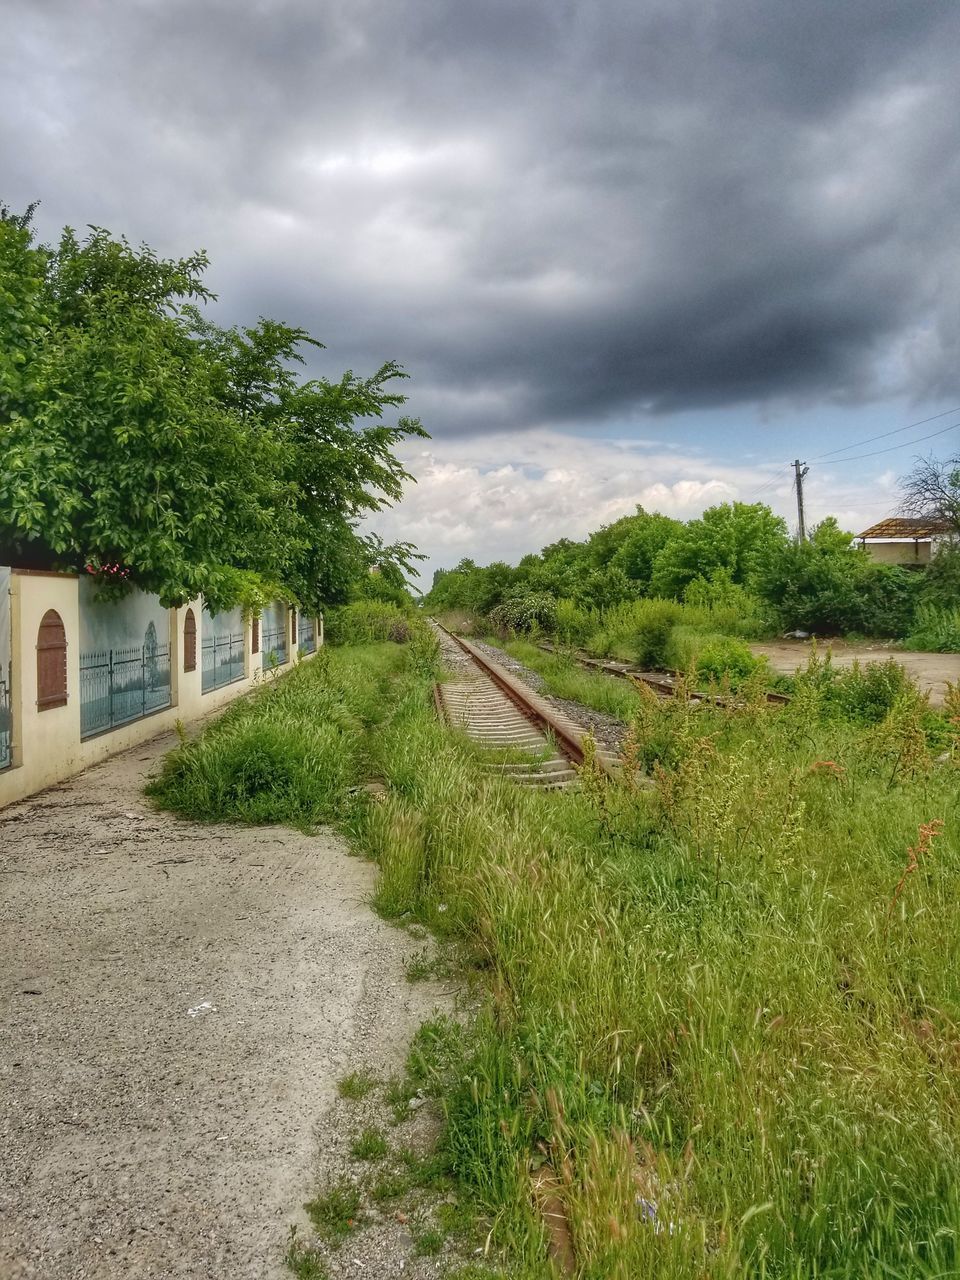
608	730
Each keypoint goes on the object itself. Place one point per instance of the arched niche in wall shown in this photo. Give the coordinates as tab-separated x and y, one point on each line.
51	662
190	641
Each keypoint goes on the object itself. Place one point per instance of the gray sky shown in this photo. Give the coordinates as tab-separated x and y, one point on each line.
628	252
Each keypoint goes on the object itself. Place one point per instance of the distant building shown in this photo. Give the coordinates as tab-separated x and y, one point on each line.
911	543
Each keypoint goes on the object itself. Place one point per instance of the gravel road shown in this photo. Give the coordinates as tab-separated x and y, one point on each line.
177	1003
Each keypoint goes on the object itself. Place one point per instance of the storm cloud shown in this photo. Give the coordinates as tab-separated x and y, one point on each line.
548	212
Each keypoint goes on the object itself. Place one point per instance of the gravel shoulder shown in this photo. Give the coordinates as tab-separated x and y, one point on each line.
177	1003
930	670
608	730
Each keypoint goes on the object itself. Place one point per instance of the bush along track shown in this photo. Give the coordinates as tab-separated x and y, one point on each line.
719	1020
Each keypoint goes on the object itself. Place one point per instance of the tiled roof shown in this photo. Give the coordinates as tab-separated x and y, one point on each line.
907	527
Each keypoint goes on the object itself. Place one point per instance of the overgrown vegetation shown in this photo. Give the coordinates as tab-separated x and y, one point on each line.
721	1014
288	754
711	1013
733	571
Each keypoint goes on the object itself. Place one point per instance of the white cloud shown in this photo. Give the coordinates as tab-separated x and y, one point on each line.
549	485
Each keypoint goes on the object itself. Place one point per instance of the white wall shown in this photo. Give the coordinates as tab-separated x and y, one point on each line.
46	744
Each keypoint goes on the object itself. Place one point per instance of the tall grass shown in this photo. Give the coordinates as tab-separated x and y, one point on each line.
368	622
704	1013
723	1014
289	753
645	631
935	630
565	678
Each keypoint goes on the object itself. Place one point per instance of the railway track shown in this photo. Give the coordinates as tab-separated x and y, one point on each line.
537	745
663	683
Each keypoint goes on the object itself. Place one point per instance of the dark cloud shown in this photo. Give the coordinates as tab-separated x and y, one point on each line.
547	211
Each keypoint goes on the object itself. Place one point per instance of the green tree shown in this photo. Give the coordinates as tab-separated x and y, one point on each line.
737	537
161	451
830	588
648	533
828	536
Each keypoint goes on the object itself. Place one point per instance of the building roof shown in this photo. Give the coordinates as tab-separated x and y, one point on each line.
907	527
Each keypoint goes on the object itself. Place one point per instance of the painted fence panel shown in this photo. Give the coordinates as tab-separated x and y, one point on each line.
222	649
307	634
124	659
273	635
6	670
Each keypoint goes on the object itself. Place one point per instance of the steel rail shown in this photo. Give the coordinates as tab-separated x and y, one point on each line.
569	739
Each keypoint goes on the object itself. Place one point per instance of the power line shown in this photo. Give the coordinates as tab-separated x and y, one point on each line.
776	478
831	503
894	447
884	435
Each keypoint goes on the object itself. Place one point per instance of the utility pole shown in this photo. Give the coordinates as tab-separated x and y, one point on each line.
801	469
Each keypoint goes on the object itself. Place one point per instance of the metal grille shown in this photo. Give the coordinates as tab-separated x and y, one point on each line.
222	658
120	685
308	634
6	720
274	642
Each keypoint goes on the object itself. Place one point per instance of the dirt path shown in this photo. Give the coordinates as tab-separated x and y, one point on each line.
145	1133
930	670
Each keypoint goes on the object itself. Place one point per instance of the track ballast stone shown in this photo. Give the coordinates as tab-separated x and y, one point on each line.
608	730
476	706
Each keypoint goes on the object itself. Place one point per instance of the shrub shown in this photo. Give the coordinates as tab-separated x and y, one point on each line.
525	613
712	656
937	630
864	693
832	592
572	624
869	692
940	583
731	606
654	620
367	622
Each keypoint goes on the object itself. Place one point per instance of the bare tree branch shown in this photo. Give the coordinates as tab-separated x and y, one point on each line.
932	490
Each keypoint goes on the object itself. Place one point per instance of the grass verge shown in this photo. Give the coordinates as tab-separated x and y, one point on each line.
722	1017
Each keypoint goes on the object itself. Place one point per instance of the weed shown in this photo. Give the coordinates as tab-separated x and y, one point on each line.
926	835
935	629
336	1213
427	1240
356	1085
370	1145
429	1172
390	1186
435	1055
419	967
303	1260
